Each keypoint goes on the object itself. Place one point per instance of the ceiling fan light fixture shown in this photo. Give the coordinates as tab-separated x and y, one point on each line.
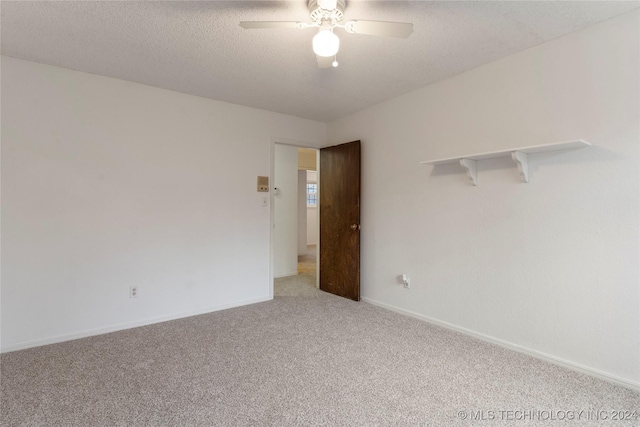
328	4
325	43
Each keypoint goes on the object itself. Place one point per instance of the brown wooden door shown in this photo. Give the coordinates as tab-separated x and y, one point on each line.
340	220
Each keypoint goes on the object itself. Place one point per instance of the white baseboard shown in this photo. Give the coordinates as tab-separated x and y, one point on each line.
515	347
99	331
289	274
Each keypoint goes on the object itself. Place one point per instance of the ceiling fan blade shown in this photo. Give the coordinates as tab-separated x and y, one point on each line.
324	61
380	28
249	25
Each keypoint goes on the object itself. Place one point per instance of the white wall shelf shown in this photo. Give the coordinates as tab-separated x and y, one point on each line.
519	155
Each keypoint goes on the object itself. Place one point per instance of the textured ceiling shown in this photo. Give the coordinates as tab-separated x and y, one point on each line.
199	48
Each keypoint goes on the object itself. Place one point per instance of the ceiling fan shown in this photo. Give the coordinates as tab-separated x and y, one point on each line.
326	15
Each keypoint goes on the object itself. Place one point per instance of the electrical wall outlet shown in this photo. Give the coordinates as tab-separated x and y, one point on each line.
405	281
133	292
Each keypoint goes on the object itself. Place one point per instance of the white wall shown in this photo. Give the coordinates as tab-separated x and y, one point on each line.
312	214
108	184
551	266
312	226
285	208
302	212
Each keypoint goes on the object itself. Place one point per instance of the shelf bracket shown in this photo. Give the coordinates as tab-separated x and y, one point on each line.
522	160
472	171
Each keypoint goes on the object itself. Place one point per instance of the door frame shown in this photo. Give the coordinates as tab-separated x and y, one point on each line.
272	168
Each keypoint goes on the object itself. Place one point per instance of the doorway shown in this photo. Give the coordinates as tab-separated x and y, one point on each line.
308	220
295	219
338	218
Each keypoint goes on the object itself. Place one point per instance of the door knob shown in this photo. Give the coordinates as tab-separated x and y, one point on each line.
355	227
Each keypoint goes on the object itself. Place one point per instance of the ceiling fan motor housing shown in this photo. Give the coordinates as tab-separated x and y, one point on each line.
318	14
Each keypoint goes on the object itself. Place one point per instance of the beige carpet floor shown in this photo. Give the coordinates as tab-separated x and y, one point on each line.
306	358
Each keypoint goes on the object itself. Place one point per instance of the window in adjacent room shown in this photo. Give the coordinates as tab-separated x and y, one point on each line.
312	195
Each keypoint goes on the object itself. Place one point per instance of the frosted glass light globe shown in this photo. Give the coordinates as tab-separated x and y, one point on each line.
325	43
